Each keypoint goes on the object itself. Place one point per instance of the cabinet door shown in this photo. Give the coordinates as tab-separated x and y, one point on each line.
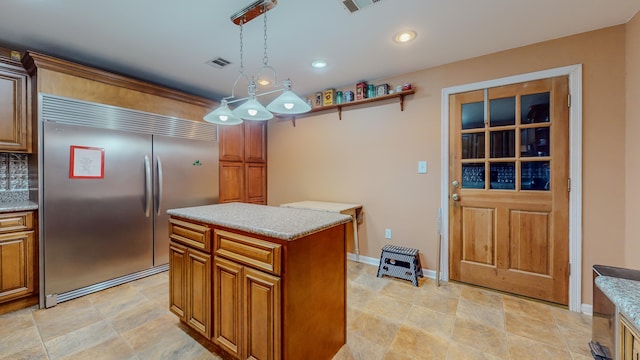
256	180
232	142
14	124
17	265
255	141
177	279
227	309
261	312
231	182
198	311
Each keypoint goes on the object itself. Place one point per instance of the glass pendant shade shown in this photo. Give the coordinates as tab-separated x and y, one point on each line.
222	115
252	110
288	103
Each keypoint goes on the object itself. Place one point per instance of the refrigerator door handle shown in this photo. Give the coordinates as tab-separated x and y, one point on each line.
147	181
160	186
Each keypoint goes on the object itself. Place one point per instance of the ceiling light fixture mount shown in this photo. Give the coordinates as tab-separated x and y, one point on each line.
287	103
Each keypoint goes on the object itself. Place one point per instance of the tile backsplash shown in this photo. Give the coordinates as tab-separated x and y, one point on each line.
14	176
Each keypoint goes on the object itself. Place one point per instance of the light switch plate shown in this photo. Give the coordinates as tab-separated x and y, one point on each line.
422	167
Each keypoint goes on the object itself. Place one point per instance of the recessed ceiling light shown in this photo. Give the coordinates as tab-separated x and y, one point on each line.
319	64
404	36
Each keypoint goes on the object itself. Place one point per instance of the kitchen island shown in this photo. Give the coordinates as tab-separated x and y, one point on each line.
260	282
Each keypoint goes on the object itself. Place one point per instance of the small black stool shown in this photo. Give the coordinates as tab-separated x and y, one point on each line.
400	262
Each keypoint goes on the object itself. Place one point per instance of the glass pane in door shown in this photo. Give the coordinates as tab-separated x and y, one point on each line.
473	176
503	176
535	175
473	115
534	142
473	146
534	108
502	111
503	144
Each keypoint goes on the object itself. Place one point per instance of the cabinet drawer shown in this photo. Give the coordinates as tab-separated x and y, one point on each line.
193	235
259	254
18	221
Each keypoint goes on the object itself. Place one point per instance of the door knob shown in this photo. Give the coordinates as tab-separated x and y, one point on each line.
455	197
455	184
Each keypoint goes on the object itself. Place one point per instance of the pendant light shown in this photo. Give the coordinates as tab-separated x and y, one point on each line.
223	115
287	103
252	109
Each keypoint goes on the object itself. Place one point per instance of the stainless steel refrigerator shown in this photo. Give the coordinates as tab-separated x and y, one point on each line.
108	175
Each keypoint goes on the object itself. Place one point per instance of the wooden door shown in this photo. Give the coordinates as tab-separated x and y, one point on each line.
509	197
261	315
17	264
231	139
198	310
177	279
255	141
14	122
256	183
227	306
231	182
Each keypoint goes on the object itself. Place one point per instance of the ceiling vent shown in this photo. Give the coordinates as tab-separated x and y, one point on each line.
218	62
354	5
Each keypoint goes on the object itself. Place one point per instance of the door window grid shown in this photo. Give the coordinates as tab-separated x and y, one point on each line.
518	147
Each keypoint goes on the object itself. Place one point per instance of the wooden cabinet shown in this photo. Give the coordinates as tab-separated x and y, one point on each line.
190	274
256	183
629	341
243	163
264	305
15	125
232	181
18	256
246	298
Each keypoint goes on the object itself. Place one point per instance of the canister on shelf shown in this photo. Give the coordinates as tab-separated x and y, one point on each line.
348	96
318	102
338	97
371	91
361	90
329	96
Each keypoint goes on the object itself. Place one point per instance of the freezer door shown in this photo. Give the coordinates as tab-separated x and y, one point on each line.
95	229
186	173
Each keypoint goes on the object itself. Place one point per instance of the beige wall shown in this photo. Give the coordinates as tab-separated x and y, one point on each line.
632	244
370	157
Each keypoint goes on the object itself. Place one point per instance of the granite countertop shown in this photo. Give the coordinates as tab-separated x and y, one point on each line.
276	222
624	293
22	205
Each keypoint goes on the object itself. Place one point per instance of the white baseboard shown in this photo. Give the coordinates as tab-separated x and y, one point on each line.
431	274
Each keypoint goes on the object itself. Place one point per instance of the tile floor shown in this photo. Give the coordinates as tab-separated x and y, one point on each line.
387	319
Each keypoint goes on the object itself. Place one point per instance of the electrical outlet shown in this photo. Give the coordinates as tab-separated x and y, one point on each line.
387	233
422	167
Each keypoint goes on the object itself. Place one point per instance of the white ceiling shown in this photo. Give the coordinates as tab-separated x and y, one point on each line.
168	41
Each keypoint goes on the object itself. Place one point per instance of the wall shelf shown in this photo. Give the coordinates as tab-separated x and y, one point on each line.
400	95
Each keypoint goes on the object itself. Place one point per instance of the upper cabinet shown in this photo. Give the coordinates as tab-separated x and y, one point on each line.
243	162
15	125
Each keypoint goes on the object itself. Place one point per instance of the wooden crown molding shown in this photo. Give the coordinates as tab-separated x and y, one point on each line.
33	61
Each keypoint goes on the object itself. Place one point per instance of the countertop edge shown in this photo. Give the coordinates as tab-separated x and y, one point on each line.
18	206
217	220
625	294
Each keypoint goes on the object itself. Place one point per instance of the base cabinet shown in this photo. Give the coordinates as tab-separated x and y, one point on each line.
18	260
629	345
190	274
246	311
190	287
257	297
